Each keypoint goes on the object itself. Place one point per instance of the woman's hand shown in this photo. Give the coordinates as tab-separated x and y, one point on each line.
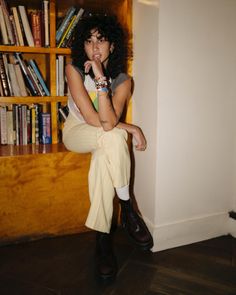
96	66
137	134
139	138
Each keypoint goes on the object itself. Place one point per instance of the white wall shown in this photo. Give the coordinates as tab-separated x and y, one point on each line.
145	23
190	123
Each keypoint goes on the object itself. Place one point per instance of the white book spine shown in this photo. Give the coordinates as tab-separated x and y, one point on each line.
14	82
20	80
10	132
3	124
57	77
61	76
27	29
46	22
18	27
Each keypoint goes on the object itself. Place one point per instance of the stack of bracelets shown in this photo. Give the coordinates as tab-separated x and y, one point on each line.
102	85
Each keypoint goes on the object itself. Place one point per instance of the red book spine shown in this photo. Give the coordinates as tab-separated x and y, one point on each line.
36	28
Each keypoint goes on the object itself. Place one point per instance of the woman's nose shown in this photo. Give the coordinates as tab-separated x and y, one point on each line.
95	46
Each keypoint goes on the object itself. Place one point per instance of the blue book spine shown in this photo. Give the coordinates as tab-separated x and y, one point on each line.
38	74
65	23
45	126
69	34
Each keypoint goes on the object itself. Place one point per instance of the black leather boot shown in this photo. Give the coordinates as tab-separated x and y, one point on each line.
135	226
106	265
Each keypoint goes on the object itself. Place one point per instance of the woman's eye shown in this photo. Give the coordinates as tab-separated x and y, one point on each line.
88	41
101	40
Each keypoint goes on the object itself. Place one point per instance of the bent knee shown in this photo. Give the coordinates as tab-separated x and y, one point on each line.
116	136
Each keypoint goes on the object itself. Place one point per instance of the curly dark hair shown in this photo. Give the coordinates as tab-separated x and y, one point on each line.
109	28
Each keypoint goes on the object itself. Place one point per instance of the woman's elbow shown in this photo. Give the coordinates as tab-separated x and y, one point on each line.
108	126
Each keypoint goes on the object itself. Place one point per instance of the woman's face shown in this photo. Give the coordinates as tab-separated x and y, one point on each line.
97	47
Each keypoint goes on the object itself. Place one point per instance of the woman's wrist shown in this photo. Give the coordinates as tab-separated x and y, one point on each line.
101	83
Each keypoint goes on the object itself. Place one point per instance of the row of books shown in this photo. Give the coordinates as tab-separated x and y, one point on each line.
23	124
19	77
20	28
64	33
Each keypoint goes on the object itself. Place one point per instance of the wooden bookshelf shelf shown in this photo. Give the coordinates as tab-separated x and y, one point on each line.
32	99
42	50
31	149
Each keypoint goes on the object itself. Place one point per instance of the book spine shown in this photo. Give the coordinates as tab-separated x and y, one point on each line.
1	88
10	132
45	127
38	74
65	23
28	125
17	43
3	77
18	25
14	82
71	30
16	124
46	22
7	22
33	118
3	27
22	28
66	31
20	124
24	124
61	77
36	81
20	80
36	28
27	29
3	124
5	61
26	74
37	114
57	77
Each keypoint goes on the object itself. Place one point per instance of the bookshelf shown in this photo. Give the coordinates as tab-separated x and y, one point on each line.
43	188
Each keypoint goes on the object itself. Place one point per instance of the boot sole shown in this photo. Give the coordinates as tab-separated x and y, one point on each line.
144	247
105	279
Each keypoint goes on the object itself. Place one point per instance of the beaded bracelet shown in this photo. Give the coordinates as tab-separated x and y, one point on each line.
103	89
101	83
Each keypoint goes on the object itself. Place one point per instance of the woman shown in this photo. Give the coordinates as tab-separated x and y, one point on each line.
99	90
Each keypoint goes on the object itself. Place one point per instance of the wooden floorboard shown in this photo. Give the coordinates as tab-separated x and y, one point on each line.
64	266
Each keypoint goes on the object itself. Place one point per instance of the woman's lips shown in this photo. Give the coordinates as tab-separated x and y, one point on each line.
97	56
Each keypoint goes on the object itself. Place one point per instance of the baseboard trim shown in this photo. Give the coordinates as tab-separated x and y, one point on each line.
189	231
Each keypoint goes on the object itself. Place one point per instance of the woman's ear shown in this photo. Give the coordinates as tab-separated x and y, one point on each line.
112	48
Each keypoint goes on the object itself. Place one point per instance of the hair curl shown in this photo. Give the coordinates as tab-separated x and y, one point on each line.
111	30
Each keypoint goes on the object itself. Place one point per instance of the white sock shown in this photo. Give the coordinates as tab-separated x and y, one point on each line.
123	192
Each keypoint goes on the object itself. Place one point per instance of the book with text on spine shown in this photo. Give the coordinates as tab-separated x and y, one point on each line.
65	23
45	128
69	33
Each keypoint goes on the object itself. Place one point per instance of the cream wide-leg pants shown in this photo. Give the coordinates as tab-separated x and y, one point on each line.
109	167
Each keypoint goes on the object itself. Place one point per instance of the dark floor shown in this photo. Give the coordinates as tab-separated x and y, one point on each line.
64	266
